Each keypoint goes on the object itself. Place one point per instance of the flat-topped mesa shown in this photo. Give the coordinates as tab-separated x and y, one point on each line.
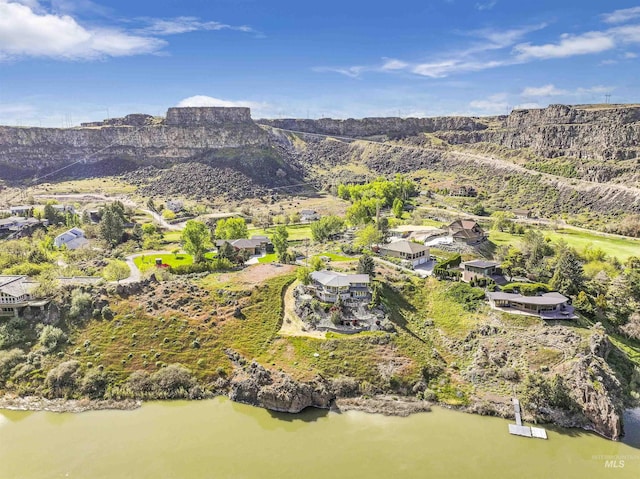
202	116
576	115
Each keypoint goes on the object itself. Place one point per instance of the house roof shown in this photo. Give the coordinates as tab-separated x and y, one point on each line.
404	246
481	264
465	234
332	278
11	220
546	299
464	224
244	243
16	286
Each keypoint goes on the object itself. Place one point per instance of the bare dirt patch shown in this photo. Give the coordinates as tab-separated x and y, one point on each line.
256	274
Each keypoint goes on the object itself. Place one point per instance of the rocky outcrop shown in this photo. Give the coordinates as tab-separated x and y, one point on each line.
255	385
367	127
189	133
610	133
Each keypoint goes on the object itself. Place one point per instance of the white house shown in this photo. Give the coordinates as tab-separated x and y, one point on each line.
331	285
16	294
72	239
415	253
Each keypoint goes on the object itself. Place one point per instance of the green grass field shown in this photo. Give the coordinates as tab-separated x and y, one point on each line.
296	232
622	248
338	257
269	258
148	261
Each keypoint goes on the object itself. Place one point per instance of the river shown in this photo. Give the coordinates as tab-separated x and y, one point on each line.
221	439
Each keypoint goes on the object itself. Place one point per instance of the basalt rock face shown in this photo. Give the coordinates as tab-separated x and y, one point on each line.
560	130
596	390
253	384
368	127
133	141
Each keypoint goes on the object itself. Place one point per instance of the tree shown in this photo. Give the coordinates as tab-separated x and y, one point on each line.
195	239
111	227
366	265
501	220
281	243
304	275
569	276
168	215
116	270
325	227
225	250
367	236
316	263
398	208
358	214
231	228
51	215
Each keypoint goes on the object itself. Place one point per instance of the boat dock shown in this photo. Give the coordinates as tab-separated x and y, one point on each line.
526	431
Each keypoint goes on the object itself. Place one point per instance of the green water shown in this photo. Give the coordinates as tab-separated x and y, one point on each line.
222	439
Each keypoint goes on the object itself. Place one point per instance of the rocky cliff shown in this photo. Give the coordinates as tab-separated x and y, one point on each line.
368	127
128	142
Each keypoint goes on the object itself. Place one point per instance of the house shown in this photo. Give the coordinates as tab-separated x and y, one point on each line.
309	215
23	210
64	209
72	239
16	225
468	191
467	231
255	245
522	214
479	269
546	306
415	253
331	285
16	294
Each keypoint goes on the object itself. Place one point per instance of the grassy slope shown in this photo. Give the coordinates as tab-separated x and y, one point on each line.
622	248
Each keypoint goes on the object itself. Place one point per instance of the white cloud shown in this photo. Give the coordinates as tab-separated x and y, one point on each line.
352	72
257	108
630	55
546	90
448	67
489	107
178	25
391	64
569	45
26	32
621	16
486	6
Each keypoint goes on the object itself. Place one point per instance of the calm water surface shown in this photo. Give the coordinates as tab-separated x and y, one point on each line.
222	439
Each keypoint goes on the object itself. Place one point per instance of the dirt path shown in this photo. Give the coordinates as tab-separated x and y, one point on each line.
292	325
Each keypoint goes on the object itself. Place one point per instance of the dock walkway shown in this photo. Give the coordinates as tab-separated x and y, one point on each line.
519	430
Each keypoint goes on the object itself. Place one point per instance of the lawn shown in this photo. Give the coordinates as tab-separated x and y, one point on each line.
296	232
172	236
622	248
148	261
338	257
269	258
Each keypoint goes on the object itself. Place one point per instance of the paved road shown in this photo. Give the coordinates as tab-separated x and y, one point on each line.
160	220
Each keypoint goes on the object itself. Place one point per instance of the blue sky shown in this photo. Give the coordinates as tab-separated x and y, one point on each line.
67	61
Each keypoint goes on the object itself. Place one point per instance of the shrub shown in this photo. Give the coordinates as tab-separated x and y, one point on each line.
80	304
174	381
12	332
466	295
63	378
9	360
50	338
107	313
94	384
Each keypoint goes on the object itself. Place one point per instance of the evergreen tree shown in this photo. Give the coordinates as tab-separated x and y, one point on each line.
281	243
111	227
366	265
569	275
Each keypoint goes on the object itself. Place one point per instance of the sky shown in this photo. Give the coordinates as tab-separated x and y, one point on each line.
63	62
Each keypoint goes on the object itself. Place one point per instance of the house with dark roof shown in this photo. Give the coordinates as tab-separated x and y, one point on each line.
467	231
328	286
254	245
16	294
546	306
414	253
480	269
